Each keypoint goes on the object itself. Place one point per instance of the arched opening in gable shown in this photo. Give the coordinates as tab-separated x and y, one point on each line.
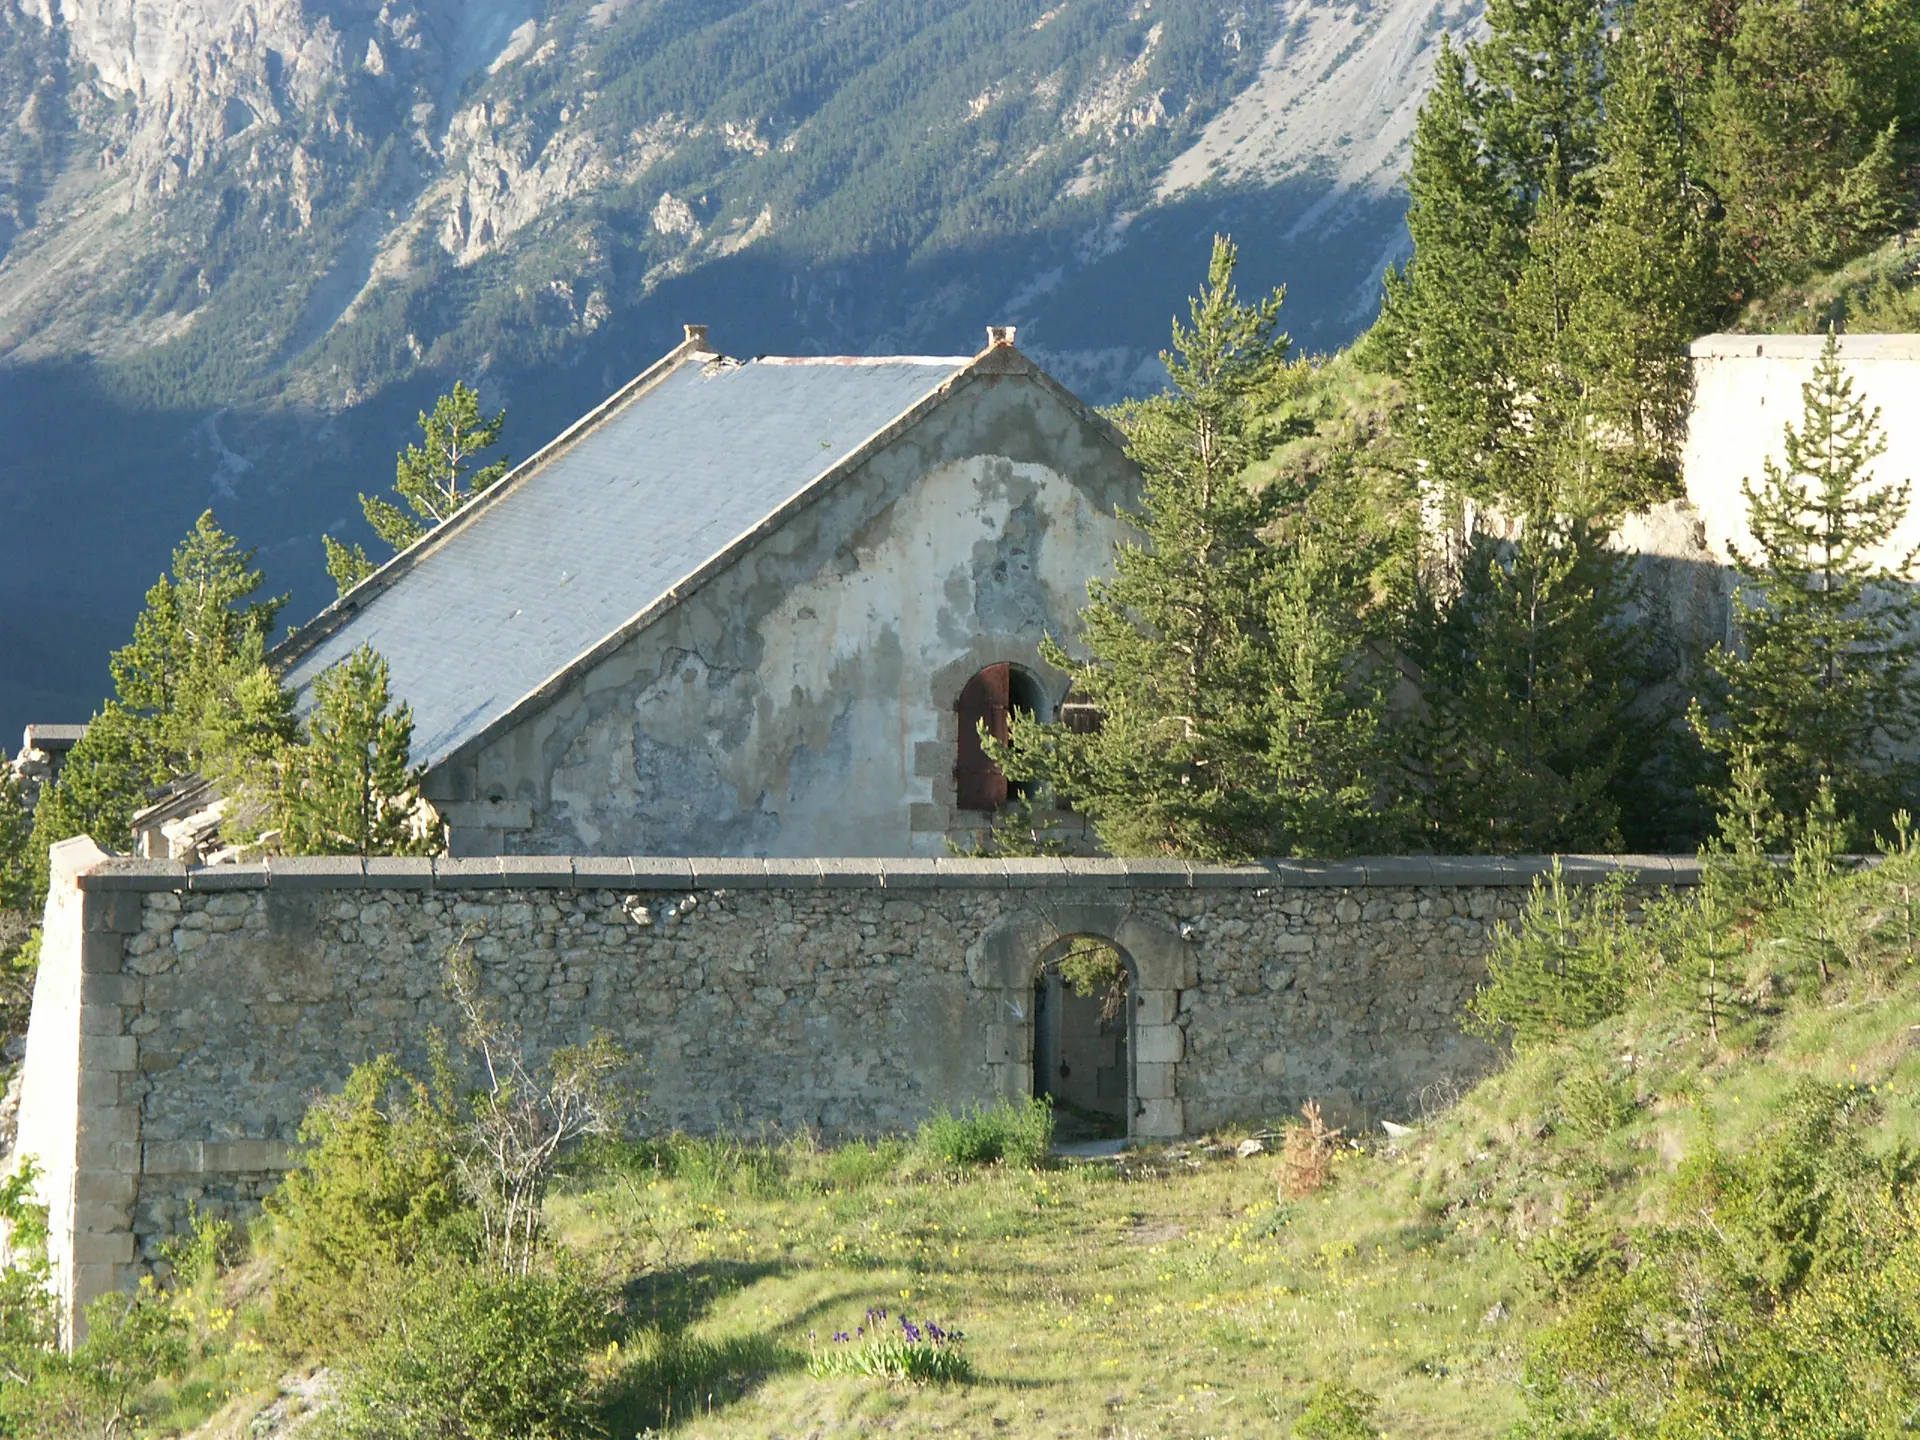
989	700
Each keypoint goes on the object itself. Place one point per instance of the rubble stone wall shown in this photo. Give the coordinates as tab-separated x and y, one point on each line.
186	1019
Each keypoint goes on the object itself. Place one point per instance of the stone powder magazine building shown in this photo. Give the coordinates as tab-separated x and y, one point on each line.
748	608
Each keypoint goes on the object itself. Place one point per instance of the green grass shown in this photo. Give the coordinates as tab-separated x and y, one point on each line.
1168	1293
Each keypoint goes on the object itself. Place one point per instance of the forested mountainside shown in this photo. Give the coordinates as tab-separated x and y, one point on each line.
240	245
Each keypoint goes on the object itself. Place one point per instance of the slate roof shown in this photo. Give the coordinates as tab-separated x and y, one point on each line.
600	527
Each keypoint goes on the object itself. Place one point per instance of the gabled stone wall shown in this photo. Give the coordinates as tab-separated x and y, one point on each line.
184	1020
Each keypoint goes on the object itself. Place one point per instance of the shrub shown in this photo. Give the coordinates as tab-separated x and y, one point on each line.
90	1395
473	1354
1594	1102
377	1187
1783	1299
861	1162
1337	1412
711	1166
1001	1133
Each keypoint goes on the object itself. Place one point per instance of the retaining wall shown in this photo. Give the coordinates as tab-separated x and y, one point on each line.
184	1020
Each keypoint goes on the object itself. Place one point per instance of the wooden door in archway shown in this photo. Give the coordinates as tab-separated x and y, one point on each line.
985	700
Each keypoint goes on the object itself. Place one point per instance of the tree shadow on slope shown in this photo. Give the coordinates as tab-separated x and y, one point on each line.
666	1374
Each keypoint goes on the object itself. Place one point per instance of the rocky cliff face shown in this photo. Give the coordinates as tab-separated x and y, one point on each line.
241	241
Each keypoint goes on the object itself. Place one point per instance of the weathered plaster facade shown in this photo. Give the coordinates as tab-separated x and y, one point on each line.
801	701
184	1021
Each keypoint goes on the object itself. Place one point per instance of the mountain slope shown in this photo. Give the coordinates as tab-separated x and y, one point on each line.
241	243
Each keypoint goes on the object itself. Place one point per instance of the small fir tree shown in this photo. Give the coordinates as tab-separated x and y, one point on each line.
434	479
350	790
1822	691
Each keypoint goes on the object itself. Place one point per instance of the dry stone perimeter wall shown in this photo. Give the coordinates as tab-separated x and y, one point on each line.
184	1020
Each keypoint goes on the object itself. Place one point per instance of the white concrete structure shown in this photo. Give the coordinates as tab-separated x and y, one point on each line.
1747	390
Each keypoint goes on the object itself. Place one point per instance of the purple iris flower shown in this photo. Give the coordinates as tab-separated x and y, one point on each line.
913	1330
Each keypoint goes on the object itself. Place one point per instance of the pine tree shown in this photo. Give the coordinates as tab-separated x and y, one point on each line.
1543	66
1798	126
1649	284
1445	325
434	479
350	790
200	629
1233	723
198	648
1534	676
1822	690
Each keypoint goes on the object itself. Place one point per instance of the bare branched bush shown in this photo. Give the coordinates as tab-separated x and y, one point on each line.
1307	1153
519	1122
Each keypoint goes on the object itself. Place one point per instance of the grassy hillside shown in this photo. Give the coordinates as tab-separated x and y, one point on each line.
1877	294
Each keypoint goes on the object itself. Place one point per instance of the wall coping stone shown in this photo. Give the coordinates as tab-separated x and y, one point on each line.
316	872
537	872
479	872
638	873
128	873
393	872
252	875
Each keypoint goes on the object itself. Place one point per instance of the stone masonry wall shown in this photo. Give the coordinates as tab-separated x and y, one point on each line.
190	1017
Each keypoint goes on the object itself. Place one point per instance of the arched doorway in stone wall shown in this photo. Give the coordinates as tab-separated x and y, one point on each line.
1083	1038
1009	962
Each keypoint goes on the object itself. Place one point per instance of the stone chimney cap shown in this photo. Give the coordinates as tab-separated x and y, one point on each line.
1000	335
696	334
